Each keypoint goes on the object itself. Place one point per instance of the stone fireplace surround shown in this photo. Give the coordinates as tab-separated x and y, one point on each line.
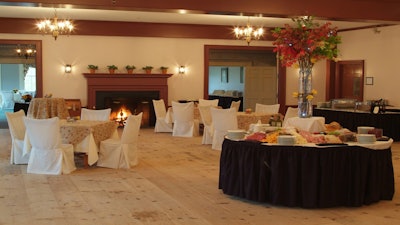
103	88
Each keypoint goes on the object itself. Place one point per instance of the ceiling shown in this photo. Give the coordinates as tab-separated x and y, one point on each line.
174	17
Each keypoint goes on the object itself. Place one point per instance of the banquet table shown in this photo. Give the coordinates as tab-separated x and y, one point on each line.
85	136
43	108
245	119
307	176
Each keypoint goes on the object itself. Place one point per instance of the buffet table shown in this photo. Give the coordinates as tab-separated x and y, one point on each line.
389	121
306	176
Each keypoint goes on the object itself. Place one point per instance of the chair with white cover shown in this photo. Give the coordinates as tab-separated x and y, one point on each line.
268	109
123	152
236	105
208	131
184	123
17	129
161	112
205	102
290	112
223	120
48	155
95	114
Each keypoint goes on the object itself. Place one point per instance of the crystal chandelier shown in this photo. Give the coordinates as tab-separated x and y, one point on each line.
248	33
26	52
55	27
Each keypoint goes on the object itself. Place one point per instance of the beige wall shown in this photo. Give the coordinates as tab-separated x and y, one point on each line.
380	52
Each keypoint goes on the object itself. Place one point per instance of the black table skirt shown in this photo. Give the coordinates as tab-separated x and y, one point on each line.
225	101
306	177
23	106
389	122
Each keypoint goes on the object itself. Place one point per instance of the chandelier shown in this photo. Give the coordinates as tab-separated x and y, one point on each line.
26	52
248	33
55	27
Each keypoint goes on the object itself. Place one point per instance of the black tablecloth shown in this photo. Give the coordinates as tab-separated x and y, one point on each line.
389	122
307	177
23	106
225	101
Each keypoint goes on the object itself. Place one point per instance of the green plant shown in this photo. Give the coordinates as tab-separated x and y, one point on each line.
93	67
130	67
112	67
147	68
163	68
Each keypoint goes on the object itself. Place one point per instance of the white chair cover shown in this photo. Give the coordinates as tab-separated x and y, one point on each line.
48	155
161	112
98	114
204	102
268	109
236	105
122	153
17	130
290	112
223	120
184	123
208	130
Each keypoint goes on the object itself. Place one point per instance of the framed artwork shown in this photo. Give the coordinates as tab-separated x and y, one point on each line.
224	75
369	81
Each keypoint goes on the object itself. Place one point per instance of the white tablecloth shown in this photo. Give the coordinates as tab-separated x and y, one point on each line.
84	135
313	124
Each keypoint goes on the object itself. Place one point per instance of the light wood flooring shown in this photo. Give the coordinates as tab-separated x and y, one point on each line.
176	182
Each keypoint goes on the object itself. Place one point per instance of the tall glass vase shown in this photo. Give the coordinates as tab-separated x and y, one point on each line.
305	89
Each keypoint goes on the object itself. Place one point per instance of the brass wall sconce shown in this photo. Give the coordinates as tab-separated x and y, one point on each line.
68	68
182	70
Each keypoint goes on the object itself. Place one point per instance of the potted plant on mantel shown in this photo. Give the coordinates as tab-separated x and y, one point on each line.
163	69
112	68
92	68
147	69
130	68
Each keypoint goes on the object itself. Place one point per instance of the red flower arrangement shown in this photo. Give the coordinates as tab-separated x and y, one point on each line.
306	43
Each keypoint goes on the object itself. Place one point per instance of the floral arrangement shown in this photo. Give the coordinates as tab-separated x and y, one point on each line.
26	97
306	43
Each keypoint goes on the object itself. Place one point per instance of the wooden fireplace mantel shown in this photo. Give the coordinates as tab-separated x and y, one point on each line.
125	82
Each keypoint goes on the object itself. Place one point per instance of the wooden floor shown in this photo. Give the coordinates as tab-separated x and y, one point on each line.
176	182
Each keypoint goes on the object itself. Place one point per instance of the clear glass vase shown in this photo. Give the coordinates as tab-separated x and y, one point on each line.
305	90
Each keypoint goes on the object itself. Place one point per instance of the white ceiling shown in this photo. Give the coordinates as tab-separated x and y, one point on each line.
158	17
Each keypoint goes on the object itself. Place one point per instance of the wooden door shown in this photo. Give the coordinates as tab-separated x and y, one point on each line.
260	86
349	79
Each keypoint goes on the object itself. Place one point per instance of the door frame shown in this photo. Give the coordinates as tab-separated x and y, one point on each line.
281	76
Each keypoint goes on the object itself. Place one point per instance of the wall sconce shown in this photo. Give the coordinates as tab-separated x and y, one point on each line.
182	70
68	68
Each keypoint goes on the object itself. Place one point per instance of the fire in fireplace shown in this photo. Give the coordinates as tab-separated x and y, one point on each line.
126	103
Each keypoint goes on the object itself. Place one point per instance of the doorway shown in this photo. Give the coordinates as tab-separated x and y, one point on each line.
246	57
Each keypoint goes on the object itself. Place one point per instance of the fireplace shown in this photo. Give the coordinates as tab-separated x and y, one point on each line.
125	103
127	93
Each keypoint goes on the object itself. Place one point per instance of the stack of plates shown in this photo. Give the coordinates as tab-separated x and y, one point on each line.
236	134
366	138
286	140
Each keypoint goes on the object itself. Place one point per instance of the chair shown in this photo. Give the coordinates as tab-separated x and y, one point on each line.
290	112
161	112
223	120
123	152
205	102
184	123
236	105
208	130
98	114
48	155
17	130
268	109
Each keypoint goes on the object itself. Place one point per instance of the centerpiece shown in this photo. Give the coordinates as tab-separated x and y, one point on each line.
302	46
